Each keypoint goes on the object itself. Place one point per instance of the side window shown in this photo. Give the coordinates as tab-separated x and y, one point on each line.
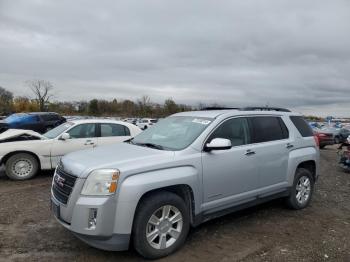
114	130
267	128
45	117
82	131
33	118
235	129
302	126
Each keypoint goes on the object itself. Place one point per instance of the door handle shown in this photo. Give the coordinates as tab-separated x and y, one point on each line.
89	143
249	152
289	146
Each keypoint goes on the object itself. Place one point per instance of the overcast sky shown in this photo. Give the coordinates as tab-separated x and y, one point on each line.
292	54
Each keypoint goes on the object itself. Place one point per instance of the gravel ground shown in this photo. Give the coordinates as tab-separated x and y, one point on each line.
269	232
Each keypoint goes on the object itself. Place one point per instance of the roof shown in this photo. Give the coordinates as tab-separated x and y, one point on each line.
97	120
231	112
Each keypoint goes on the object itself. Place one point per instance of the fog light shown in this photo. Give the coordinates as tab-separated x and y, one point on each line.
92	218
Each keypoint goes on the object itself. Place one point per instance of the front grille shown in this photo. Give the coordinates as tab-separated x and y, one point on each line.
63	184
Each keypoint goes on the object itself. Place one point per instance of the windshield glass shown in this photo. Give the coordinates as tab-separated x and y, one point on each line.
173	133
58	130
16	117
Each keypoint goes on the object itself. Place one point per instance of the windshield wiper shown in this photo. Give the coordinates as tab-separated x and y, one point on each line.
151	145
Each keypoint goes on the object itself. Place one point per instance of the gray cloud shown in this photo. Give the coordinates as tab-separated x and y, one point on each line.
285	53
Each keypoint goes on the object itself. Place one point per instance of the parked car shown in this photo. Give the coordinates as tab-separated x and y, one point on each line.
145	123
187	169
342	136
331	130
324	138
39	122
25	152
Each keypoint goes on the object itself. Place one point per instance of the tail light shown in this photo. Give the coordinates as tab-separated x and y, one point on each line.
317	140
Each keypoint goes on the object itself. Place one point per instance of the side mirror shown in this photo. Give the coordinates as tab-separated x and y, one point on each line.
64	136
218	144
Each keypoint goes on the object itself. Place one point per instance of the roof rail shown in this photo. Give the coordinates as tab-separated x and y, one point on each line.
249	108
266	108
219	108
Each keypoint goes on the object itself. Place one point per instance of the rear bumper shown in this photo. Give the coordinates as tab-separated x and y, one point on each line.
327	142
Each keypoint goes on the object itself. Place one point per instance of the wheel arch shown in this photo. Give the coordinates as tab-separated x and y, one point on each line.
182	190
182	181
309	165
8	155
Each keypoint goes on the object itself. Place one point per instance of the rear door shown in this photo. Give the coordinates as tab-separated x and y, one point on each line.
271	146
110	133
83	136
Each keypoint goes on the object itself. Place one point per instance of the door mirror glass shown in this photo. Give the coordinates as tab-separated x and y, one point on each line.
218	144
64	136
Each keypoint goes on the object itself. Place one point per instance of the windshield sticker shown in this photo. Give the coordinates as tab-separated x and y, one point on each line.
201	121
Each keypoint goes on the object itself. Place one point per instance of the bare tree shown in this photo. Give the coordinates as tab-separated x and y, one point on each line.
42	90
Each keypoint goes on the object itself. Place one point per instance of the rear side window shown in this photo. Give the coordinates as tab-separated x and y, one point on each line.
267	128
302	126
114	130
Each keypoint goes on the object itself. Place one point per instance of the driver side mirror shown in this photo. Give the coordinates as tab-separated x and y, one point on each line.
64	136
218	144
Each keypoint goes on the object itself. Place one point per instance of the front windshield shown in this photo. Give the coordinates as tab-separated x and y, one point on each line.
173	133
58	130
16	117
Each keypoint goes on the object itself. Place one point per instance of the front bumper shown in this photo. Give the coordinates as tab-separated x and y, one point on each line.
101	236
117	242
76	214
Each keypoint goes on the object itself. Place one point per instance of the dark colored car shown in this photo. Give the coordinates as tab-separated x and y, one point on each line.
342	136
38	121
324	138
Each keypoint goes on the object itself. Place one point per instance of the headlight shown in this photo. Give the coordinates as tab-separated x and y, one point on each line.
101	182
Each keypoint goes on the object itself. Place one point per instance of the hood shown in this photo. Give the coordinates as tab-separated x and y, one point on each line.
123	156
12	135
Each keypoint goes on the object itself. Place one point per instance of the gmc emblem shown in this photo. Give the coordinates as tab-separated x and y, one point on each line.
59	180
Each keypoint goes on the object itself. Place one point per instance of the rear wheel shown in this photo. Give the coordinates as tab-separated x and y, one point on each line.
21	166
336	140
302	189
161	225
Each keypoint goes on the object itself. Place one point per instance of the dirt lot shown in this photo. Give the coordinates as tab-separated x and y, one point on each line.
269	232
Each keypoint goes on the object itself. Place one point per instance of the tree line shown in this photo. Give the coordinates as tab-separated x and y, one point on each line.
42	100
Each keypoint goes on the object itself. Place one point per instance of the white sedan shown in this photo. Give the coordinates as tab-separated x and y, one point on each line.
25	152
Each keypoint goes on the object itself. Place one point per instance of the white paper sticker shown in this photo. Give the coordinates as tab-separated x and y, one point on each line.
201	121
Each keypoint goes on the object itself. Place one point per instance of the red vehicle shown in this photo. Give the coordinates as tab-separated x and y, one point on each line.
324	138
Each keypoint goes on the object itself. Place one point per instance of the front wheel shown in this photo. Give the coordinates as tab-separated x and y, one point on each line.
21	166
302	189
161	225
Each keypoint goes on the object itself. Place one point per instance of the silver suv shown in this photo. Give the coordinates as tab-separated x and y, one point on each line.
183	171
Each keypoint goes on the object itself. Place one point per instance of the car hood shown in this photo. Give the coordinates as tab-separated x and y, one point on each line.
18	134
126	157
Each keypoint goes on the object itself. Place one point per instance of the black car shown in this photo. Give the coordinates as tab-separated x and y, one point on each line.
342	136
36	121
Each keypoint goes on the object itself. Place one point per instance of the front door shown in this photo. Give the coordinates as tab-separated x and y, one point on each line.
82	136
230	176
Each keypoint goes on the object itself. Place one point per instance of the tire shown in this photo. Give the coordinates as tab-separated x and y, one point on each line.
336	140
21	166
295	201
322	146
155	205
145	127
